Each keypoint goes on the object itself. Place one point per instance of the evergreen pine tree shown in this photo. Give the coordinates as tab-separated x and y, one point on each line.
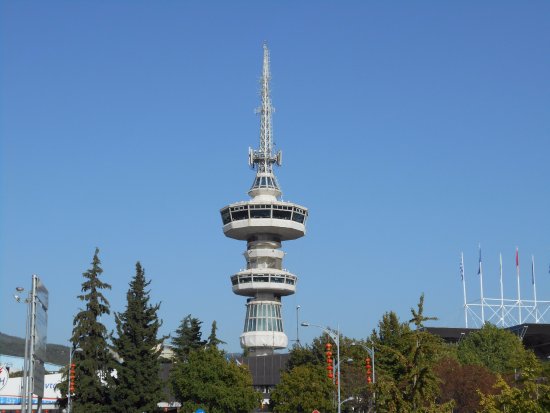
93	360
188	337
213	340
138	384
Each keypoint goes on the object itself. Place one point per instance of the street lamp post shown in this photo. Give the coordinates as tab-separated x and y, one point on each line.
69	401
370	351
335	336
298	325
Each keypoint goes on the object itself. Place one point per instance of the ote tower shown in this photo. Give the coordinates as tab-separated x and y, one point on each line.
264	222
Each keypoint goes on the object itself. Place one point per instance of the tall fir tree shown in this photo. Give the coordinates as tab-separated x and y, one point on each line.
213	340
94	363
138	384
188	337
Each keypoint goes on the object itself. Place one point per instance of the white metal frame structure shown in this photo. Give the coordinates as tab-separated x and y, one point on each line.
264	222
504	312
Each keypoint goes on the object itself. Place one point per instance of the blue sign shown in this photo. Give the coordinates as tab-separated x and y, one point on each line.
199	411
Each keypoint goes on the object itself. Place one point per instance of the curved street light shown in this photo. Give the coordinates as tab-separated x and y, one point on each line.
370	351
69	401
335	336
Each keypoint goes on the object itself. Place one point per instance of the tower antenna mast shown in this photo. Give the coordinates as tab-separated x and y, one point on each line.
263	158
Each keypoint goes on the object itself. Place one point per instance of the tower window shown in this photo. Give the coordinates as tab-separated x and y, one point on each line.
298	217
263	317
239	215
260	213
226	217
278	214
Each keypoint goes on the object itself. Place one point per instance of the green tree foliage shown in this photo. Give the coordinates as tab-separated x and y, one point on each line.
138	385
498	350
417	372
188	337
94	363
213	340
405	361
529	397
206	379
308	354
303	389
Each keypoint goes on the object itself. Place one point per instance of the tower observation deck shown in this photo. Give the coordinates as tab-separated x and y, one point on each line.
264	222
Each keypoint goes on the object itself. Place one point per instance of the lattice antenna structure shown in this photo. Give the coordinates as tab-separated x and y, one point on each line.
264	222
263	158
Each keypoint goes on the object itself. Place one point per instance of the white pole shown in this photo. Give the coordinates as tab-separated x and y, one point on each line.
481	288
298	325
69	381
501	294
26	362
519	292
534	281
338	355
464	287
30	378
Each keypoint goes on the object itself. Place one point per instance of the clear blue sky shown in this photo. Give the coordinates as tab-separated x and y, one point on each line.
412	132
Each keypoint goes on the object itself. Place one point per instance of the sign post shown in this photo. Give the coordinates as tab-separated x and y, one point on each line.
35	349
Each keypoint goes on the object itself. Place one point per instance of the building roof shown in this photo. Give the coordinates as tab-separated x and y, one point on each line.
535	337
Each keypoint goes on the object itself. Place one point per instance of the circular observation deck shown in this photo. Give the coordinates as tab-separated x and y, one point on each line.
265	280
284	220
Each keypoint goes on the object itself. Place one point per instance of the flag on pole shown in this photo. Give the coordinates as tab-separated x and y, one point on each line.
533	269
479	268
500	260
517	258
462	266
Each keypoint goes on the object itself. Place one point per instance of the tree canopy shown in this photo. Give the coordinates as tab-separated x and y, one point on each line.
213	340
464	383
138	384
530	396
497	349
303	389
405	361
188	337
94	363
206	379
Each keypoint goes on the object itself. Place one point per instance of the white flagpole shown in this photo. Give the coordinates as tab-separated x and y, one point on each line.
501	294
534	281
464	287
519	295
481	288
